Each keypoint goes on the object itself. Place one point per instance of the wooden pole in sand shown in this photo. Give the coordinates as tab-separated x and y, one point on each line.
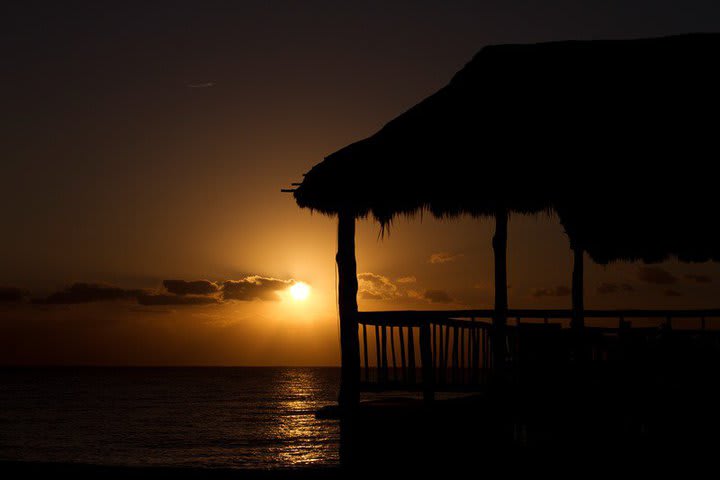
578	303
577	321
347	299
499	243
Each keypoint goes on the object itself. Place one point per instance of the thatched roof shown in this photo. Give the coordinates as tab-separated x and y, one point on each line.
615	136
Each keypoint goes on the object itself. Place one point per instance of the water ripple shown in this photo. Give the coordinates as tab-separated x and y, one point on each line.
210	417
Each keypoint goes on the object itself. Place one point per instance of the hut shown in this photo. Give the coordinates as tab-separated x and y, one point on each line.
611	135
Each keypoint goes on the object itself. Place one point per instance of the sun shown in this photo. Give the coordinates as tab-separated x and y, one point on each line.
300	291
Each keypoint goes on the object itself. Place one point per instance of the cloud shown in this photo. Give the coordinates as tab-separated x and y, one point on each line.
698	278
176	292
408	279
415	294
444	257
254	287
656	275
611	288
164	299
205	292
372	286
89	292
559	291
194	287
672	293
365	295
12	294
437	296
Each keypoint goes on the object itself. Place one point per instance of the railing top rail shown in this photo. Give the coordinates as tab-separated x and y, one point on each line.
409	321
653	313
419	317
430	313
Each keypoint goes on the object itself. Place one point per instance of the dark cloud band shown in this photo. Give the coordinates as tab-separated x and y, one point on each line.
88	293
194	287
163	299
254	288
176	292
12	294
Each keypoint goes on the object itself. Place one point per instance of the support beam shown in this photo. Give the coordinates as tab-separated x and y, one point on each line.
578	301
499	243
428	367
347	299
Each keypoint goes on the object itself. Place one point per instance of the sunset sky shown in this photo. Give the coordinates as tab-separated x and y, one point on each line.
148	141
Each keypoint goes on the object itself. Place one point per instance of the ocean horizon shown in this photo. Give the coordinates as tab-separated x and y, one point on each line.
207	417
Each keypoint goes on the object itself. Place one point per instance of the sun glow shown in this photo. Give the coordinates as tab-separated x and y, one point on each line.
300	291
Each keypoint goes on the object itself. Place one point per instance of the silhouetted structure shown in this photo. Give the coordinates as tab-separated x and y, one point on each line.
613	136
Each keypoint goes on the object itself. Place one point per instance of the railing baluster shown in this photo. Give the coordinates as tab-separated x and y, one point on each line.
384	354
515	350
444	332
433	329
480	333
427	368
462	355
402	355
437	352
456	354
469	350
365	353
468	354
481	349
377	353
477	351
438	346
475	346
411	354
467	336
444	338
487	350
392	346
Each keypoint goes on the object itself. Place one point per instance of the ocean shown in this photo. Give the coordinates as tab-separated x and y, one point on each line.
183	417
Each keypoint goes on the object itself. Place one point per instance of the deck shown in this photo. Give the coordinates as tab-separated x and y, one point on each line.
452	351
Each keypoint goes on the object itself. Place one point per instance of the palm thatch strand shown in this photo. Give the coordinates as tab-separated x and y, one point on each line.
616	136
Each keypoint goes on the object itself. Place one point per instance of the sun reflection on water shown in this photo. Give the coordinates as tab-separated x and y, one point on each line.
303	439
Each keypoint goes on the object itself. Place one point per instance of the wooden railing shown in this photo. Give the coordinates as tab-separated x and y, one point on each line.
452	350
423	350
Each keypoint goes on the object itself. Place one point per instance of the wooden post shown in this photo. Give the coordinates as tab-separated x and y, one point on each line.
411	354
499	243
347	299
383	357
403	362
578	304
365	353
577	319
428	370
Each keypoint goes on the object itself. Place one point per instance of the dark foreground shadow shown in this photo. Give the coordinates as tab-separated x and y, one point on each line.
574	422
